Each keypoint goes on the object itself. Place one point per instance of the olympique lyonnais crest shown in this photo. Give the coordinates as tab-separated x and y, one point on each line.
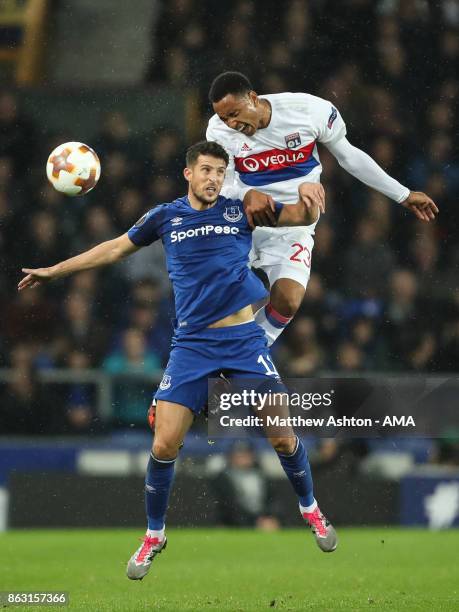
232	214
293	140
165	383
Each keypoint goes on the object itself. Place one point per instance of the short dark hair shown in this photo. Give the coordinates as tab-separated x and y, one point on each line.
205	147
229	83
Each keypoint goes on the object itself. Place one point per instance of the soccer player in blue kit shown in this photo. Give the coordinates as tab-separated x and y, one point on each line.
207	239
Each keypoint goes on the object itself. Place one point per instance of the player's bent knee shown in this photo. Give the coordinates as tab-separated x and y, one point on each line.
165	450
286	297
284	445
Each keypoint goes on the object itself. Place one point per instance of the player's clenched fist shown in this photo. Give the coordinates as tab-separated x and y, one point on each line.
34	277
259	209
312	195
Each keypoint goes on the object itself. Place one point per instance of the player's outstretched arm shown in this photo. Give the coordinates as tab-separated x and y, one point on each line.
363	167
103	254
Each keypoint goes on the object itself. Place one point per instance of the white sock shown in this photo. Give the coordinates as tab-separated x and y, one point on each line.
308	509
153	533
272	322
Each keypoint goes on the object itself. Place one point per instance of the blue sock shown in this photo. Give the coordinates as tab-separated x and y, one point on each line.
298	471
158	483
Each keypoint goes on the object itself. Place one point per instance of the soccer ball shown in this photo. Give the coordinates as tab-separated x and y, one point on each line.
73	168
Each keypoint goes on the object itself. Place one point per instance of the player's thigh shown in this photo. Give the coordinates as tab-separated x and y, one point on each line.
185	378
171	425
252	368
248	356
286	253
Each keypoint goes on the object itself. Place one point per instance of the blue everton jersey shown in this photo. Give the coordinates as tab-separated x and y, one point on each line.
207	255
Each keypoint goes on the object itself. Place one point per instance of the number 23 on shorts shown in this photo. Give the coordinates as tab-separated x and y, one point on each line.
301	254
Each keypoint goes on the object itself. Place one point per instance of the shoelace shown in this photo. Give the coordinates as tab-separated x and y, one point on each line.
318	522
146	550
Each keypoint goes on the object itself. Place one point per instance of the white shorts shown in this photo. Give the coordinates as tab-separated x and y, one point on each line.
283	252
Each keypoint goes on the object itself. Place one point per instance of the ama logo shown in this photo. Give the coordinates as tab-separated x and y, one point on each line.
232	214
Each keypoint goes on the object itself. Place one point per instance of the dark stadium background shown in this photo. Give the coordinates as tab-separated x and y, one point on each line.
80	357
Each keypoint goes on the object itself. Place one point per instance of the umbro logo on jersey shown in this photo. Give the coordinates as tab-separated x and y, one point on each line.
245	147
176	221
232	214
293	140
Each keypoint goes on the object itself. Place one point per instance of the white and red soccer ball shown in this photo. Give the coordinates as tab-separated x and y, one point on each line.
73	168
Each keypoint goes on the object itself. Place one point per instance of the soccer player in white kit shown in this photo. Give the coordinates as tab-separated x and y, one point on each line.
272	144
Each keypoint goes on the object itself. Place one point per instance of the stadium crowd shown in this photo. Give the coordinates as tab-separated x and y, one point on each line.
383	293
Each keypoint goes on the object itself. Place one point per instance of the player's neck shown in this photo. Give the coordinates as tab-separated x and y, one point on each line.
265	118
198	204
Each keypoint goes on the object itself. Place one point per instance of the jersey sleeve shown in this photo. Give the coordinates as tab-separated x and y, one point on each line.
146	229
326	120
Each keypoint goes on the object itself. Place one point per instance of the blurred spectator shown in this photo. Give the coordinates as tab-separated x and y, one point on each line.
161	189
99	226
132	398
349	357
28	407
114	135
165	158
368	261
302	355
129	207
29	317
324	260
149	312
407	321
80	329
363	335
449	354
17	132
45	243
119	171
80	402
440	161
321	306
241	491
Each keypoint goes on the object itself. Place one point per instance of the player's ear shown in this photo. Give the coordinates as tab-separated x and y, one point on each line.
187	172
253	97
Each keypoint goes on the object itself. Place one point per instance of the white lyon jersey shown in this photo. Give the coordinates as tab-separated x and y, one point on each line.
276	160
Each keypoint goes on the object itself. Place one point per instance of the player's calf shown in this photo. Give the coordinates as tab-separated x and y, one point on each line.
285	299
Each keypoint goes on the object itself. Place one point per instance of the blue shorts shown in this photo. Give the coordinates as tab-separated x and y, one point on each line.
235	351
